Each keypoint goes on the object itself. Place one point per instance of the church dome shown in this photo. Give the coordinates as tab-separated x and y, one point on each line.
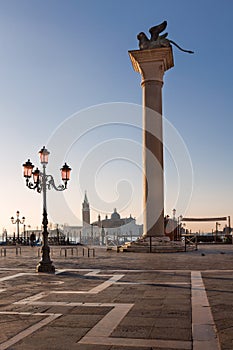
115	215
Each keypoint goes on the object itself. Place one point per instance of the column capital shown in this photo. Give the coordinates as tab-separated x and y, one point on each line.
152	64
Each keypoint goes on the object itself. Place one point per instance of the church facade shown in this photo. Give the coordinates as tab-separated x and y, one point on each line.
110	230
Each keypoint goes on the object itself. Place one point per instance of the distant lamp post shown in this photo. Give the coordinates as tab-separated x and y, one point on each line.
216	235
17	221
173	214
42	182
4	235
179	219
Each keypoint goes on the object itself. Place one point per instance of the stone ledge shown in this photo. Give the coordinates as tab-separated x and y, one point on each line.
163	54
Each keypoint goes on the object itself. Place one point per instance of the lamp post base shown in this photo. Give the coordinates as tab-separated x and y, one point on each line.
47	267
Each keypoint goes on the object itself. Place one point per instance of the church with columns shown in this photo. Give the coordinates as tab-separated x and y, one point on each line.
105	231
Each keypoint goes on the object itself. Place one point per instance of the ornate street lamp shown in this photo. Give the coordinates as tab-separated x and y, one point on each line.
17	221
42	182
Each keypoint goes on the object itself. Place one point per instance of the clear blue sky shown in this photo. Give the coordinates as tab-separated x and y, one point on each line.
60	57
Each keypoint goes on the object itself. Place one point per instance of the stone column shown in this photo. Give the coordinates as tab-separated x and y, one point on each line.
152	64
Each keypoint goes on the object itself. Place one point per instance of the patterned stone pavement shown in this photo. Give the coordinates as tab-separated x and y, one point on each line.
118	300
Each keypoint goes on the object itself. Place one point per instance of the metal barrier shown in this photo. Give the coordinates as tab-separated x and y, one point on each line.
88	252
74	251
40	252
190	240
17	250
66	249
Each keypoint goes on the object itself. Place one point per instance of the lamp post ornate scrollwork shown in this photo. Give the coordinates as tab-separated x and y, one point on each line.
41	183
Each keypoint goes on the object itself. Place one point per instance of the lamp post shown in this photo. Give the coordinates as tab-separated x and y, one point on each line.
216	235
17	221
174	214
42	182
179	219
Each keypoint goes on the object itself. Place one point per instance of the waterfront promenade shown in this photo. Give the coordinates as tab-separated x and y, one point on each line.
117	300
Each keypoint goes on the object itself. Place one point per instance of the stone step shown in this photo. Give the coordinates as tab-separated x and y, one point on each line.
161	247
153	250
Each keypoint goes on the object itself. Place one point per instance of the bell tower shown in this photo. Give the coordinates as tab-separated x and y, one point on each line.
86	211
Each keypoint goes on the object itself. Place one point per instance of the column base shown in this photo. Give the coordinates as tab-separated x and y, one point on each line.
45	267
153	245
156	239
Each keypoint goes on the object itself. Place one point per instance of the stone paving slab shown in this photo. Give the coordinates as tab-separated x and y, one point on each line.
118	301
219	288
11	325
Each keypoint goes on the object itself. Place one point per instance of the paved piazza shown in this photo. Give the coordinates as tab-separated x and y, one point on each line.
117	300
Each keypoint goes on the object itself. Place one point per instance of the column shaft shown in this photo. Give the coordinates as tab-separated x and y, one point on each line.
153	186
152	64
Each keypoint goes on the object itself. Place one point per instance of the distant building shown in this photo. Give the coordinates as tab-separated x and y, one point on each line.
108	230
73	233
112	230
